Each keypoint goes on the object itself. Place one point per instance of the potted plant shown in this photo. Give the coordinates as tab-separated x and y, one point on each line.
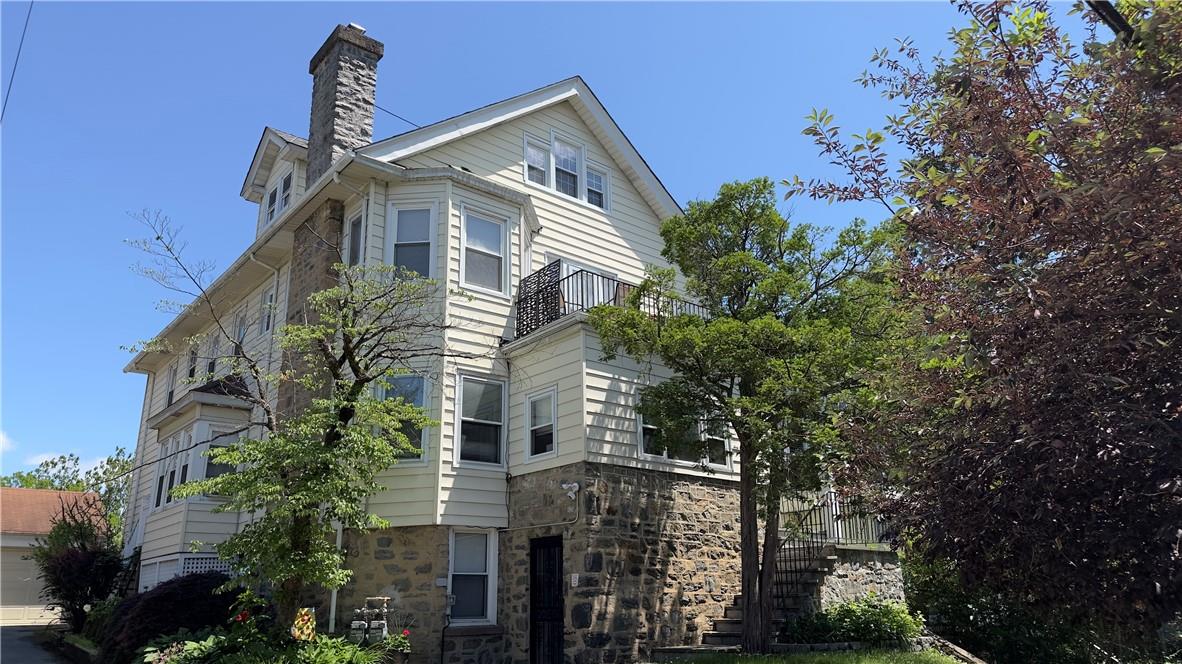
398	644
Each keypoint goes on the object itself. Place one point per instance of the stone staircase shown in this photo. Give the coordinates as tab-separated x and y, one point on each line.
796	594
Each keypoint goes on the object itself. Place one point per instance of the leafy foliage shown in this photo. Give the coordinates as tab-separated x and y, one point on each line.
78	560
792	324
192	602
110	479
1035	438
245	644
868	620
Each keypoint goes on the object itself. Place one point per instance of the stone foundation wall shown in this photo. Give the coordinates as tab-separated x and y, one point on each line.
859	572
656	554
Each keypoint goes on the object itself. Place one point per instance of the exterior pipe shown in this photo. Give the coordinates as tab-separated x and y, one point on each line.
332	599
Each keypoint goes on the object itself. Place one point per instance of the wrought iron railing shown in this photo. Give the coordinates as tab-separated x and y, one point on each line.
811	525
546	296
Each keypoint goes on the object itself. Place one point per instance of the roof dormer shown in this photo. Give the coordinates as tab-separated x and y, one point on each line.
276	175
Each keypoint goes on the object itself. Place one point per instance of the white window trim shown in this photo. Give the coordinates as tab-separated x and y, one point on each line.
551	392
241	329
427	431
432	231
172	456
665	458
458	462
506	250
584	162
491	604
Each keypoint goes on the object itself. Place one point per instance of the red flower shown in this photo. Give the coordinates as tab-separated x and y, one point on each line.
242	616
406	632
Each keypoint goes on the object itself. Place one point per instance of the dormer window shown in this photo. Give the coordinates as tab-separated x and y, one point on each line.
561	164
279	198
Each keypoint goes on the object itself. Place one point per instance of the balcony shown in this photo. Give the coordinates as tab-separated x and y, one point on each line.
546	296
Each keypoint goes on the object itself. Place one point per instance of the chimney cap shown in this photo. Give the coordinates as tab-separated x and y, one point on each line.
349	34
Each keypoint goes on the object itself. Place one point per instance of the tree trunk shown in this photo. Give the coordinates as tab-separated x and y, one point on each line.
767	573
754	627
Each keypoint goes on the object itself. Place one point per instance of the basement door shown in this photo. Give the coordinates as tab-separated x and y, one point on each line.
545	600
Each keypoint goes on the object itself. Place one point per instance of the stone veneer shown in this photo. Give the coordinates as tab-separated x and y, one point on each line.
656	554
859	572
344	80
657	557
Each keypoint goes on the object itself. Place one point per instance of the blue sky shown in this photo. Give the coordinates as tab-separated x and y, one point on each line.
121	107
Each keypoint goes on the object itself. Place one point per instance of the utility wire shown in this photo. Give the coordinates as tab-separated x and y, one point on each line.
17	61
398	116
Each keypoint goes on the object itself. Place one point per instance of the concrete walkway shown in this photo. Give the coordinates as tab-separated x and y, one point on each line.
19	645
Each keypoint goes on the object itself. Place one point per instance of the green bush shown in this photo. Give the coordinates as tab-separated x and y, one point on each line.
245	644
868	620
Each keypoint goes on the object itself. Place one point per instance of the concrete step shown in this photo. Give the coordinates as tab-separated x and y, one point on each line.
779	615
721	639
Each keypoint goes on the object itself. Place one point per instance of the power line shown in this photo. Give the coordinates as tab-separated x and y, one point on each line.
17	61
415	125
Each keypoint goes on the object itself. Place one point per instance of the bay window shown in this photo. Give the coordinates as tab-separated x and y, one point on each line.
410	248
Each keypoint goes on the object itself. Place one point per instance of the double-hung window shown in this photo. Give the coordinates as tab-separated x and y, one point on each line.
356	235
162	470
279	198
215	350
712	438
193	361
213	468
562	164
266	311
411	246
597	188
482	419
543	415
537	163
566	168
172	372
411	389
484	251
472	581
240	329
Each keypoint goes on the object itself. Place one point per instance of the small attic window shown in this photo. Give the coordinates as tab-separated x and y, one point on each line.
279	198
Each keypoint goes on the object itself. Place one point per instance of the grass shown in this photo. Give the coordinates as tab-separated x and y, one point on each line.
81	642
862	657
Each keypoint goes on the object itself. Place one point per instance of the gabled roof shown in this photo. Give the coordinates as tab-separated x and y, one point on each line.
579	94
272	144
31	511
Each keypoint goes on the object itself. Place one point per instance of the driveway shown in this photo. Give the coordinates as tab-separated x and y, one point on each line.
19	644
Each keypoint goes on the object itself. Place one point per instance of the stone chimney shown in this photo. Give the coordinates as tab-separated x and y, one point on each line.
344	77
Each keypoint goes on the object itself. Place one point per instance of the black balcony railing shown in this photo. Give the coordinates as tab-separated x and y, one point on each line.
546	296
809	527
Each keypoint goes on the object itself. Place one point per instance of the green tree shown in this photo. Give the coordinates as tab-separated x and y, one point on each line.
789	323
302	474
1039	434
110	479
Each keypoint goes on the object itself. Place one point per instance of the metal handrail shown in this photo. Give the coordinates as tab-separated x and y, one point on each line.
829	519
546	296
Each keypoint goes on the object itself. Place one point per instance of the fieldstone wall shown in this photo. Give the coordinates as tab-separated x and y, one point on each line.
859	572
656	554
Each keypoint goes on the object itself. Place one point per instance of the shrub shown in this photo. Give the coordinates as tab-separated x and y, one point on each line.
190	602
869	620
99	618
78	560
245	644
